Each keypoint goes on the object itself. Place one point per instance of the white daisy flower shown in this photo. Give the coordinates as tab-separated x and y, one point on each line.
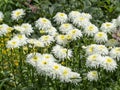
43	23
86	15
112	43
75	34
25	28
61	39
33	59
56	70
75	77
73	14
19	28
13	43
101	49
28	29
37	43
115	53
48	57
60	18
108	27
21	38
52	31
3	29
17	14
1	16
90	30
93	60
61	53
31	41
100	37
9	29
92	76
64	28
65	74
90	49
81	21
43	67
46	39
108	64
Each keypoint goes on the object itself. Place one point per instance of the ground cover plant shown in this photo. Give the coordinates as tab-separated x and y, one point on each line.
70	48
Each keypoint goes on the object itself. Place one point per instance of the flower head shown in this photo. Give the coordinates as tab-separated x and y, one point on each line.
108	27
100	37
60	18
108	64
90	30
93	60
17	14
75	34
61	53
46	39
92	76
115	53
43	23
73	14
66	27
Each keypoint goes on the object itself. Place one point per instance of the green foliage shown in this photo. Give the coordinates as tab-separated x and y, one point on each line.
101	10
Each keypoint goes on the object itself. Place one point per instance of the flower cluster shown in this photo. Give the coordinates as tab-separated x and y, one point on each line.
4	29
99	56
103	52
46	64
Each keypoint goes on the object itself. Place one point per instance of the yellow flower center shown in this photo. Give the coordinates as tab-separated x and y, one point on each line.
64	50
94	57
101	47
20	36
100	34
66	25
42	31
91	49
47	56
56	67
108	24
18	13
46	38
65	72
62	37
44	62
61	14
1	27
25	26
73	31
9	29
109	60
94	74
81	18
13	42
68	37
90	28
117	50
35	58
44	20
